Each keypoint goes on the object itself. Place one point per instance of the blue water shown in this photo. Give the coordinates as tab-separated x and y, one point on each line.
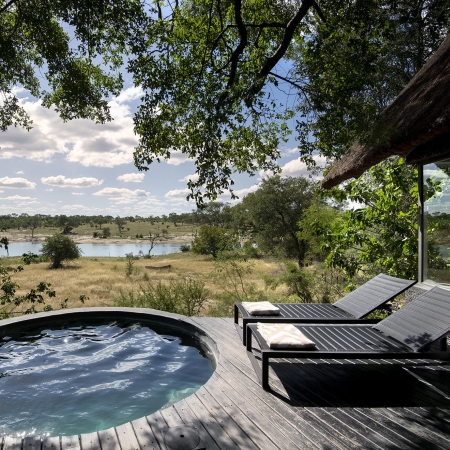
163	248
84	379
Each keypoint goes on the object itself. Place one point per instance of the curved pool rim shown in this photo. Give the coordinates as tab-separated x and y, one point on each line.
54	318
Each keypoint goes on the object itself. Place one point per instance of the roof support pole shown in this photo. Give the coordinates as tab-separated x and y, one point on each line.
422	245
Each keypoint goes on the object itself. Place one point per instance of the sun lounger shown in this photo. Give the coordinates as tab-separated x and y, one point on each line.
406	334
356	305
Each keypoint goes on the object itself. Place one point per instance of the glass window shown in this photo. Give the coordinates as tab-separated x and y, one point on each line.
436	243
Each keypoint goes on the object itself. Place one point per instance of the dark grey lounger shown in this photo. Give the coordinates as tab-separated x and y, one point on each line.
356	305
406	334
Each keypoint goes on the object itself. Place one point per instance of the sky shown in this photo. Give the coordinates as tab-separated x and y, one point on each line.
83	168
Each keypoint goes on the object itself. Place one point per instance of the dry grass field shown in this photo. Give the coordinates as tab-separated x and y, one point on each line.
102	279
131	229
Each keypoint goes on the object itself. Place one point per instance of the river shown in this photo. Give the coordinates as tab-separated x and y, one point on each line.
162	248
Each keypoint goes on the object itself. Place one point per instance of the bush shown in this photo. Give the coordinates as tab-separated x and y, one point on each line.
185	297
185	247
212	240
129	269
29	258
59	248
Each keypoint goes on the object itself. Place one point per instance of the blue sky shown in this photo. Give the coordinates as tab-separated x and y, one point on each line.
80	167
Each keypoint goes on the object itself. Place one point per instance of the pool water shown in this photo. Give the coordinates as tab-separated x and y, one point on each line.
78	380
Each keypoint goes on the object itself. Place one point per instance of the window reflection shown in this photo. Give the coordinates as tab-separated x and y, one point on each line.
437	222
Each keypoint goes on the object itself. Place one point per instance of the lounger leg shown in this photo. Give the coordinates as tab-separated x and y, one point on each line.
264	370
247	333
244	331
236	314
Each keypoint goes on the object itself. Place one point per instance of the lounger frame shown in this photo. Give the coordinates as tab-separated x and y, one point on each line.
398	352
350	309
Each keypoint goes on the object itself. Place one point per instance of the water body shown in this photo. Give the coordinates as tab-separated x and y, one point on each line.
163	248
81	379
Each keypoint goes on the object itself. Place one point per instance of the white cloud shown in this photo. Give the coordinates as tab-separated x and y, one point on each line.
177	193
49	190
77	193
80	140
62	181
122	192
16	183
193	177
132	177
130	94
241	193
20	172
296	168
177	158
16	198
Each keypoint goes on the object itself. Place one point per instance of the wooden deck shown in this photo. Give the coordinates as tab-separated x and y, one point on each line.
313	404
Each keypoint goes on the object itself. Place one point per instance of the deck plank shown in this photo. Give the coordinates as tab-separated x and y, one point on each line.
70	443
215	431
12	443
144	434
159	426
126	436
51	443
109	440
32	443
90	441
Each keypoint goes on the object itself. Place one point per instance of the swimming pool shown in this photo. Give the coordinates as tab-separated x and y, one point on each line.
83	371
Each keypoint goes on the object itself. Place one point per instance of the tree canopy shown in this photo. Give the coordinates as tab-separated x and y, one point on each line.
272	215
79	47
221	79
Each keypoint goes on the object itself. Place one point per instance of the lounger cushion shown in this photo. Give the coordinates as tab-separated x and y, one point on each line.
261	308
280	335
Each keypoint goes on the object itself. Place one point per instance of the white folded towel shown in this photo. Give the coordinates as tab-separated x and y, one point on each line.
282	335
261	308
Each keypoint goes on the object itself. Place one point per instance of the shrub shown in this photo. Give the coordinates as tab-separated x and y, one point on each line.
212	240
29	258
129	269
185	297
185	247
59	248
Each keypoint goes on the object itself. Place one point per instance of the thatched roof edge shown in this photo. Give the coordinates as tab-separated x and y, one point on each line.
418	115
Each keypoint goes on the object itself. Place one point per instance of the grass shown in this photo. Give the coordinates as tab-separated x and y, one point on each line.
130	230
102	279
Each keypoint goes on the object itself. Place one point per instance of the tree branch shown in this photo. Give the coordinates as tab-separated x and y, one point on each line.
11	2
242	44
272	61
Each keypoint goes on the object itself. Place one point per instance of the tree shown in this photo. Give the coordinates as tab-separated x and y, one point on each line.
120	224
351	67
80	65
212	240
152	238
33	223
4	240
272	213
381	232
59	248
208	80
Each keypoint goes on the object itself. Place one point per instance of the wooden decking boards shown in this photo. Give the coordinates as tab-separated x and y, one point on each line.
312	405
